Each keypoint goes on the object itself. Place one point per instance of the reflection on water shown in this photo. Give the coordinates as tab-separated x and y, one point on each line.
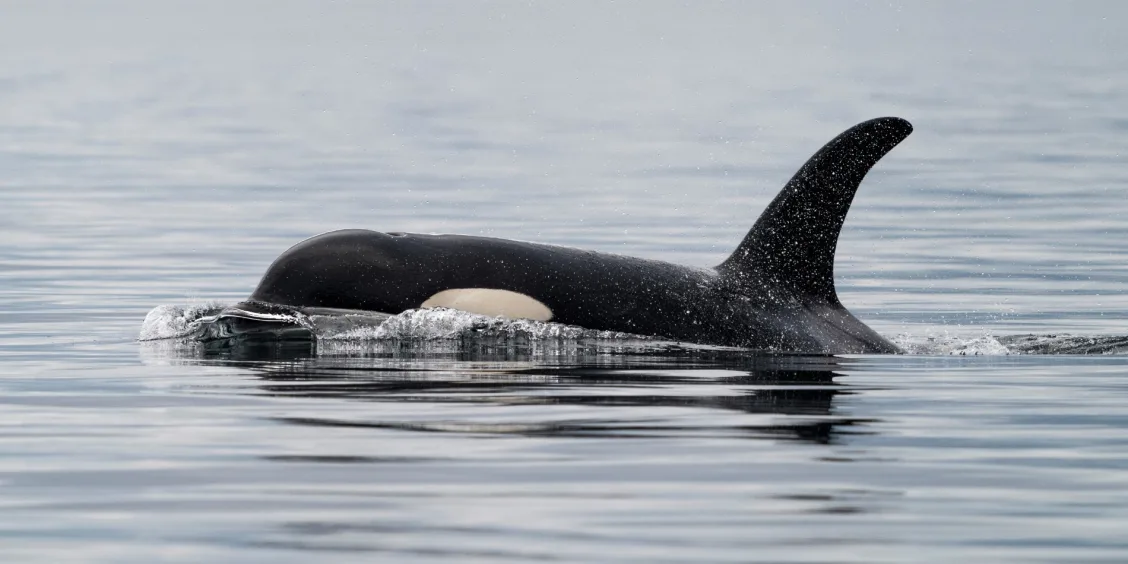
798	391
765	389
579	451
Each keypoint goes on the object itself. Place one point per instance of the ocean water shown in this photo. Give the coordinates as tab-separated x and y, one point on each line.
156	157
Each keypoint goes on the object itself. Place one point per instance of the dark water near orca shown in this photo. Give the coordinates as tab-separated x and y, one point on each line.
163	154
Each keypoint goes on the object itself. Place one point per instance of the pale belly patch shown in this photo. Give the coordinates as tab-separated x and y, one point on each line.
488	301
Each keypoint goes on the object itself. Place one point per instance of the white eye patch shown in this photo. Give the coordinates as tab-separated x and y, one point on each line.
486	301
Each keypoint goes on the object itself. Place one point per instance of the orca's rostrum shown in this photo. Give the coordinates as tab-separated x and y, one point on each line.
776	292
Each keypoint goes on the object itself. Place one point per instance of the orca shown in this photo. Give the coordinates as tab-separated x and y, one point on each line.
774	293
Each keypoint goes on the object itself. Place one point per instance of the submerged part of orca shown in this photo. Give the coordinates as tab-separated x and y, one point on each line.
776	292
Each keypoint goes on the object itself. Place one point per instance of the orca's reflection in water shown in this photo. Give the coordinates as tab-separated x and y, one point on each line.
384	447
792	397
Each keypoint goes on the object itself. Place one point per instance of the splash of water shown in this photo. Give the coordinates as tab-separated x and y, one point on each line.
337	328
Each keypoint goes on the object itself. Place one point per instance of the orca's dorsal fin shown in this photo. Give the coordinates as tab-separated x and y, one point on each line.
792	244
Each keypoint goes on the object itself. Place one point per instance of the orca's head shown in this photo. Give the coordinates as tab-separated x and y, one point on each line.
345	269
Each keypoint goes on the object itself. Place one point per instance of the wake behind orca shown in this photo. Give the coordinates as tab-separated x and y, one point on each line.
775	292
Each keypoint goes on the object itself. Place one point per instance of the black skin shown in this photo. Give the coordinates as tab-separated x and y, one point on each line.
776	292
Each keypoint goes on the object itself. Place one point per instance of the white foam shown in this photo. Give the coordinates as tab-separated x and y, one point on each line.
173	321
444	323
434	325
947	344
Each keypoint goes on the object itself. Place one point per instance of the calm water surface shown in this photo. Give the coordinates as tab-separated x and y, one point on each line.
166	153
